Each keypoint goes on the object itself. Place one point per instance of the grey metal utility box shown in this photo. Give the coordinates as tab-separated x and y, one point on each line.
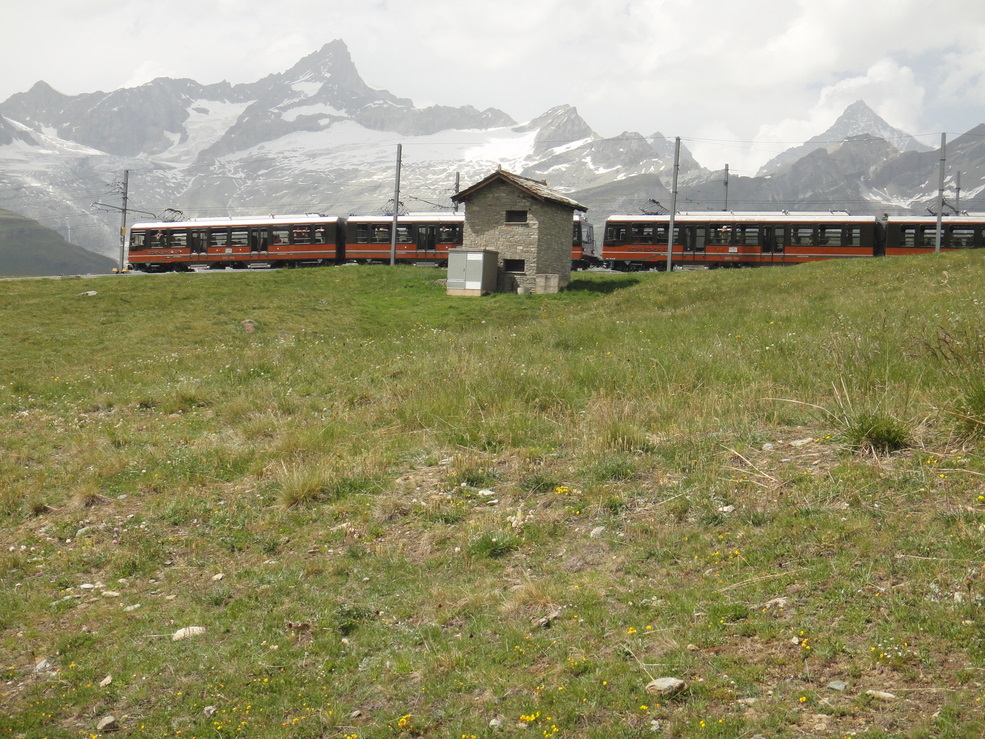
472	271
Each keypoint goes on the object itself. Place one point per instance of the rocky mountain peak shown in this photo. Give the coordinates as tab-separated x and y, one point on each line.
559	126
858	119
332	62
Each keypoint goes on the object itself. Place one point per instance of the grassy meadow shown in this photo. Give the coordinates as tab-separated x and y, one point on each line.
396	513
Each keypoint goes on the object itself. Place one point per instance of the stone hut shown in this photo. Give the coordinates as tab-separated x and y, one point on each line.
529	225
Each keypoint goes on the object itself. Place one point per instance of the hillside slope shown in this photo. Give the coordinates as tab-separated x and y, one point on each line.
389	512
29	249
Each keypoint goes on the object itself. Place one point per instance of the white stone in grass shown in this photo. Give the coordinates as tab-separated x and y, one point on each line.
108	724
881	695
188	632
665	686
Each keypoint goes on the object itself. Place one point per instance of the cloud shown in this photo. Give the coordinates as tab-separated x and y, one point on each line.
739	75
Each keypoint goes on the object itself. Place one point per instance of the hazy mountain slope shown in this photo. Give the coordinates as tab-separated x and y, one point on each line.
27	248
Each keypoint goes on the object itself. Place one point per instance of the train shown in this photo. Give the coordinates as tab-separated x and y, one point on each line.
709	239
311	239
716	239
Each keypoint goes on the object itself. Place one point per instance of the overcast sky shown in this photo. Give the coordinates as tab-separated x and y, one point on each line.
737	81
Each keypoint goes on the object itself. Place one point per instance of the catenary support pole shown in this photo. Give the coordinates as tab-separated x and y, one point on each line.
725	182
396	209
940	195
673	205
123	221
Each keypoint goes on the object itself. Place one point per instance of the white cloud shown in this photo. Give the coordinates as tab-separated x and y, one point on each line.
756	71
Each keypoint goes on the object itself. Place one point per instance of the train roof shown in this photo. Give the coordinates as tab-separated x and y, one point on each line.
269	220
951	218
745	217
411	218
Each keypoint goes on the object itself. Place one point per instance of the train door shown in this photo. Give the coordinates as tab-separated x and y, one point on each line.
427	237
695	240
259	240
770	246
198	242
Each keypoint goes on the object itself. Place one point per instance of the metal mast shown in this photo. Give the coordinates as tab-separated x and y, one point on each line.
725	182
123	222
396	209
673	205
940	195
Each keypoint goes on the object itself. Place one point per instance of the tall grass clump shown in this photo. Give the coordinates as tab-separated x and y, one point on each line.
961	356
307	483
969	410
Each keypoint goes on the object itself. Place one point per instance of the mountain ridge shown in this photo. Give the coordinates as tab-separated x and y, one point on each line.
316	137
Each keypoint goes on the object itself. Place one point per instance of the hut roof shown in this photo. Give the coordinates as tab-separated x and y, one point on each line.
537	188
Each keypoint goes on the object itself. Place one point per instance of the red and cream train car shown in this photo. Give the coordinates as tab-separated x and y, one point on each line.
235	242
735	239
725	239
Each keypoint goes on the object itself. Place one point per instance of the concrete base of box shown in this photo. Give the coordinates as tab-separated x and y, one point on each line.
467	293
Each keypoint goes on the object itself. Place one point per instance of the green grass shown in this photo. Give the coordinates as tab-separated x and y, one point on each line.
399	513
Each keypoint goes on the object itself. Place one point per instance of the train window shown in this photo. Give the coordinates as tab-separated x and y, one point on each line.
238	237
320	235
362	233
829	235
962	237
852	236
615	234
219	239
928	236
280	236
178	240
719	234
908	236
748	235
137	239
381	234
157	240
643	233
516	216
450	235
802	235
302	234
403	235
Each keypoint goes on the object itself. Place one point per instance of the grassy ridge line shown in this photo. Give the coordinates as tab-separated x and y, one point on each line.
670	494
28	248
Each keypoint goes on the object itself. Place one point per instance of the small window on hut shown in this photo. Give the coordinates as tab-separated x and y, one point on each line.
516	216
514	265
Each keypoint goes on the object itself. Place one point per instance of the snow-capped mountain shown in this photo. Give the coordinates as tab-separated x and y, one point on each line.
313	138
858	119
317	138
